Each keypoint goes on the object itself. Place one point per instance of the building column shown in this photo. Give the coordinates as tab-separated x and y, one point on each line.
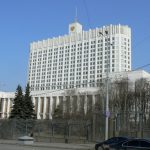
33	100
47	107
78	103
11	104
44	108
71	104
8	108
85	104
38	108
64	104
93	102
3	108
50	107
57	101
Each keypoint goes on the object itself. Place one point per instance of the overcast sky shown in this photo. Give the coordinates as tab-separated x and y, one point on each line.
25	21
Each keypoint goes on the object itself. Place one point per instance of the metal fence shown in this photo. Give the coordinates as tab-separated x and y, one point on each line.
129	124
78	131
47	130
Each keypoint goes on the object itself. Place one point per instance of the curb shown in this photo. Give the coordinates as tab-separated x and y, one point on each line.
79	147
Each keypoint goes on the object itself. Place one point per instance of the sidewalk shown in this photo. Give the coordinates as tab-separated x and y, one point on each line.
53	145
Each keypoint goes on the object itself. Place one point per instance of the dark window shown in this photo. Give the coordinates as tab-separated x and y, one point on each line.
132	143
144	144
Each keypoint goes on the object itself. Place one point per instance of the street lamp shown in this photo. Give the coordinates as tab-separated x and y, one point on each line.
107	112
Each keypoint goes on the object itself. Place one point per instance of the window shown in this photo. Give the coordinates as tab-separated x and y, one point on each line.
132	143
144	144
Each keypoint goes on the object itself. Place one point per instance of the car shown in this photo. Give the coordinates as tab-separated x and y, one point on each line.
116	146
105	144
132	144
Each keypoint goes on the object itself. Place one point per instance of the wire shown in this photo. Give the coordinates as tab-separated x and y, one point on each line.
86	9
141	67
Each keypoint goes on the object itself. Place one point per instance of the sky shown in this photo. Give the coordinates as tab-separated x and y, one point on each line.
25	21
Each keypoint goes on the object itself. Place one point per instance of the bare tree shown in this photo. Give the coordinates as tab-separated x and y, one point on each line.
142	102
121	100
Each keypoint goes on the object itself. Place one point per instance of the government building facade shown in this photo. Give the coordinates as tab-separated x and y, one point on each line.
71	68
79	59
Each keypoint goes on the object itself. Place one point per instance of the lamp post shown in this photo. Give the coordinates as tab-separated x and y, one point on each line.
107	112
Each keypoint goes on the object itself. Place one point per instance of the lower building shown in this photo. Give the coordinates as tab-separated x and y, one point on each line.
6	102
81	99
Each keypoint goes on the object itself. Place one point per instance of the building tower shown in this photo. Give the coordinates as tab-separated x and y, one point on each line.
79	59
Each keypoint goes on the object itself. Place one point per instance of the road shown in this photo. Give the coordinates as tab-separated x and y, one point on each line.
20	147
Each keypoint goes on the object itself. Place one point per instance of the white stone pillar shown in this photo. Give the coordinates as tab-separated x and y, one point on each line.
38	108
11	104
50	107
57	101
33	101
44	109
78	103
93	102
85	104
34	104
64	104
47	107
8	108
71	104
3	108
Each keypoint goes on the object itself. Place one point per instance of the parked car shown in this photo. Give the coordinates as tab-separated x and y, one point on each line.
116	146
132	144
105	144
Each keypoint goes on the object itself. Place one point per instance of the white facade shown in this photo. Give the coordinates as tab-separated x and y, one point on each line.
6	101
79	58
45	102
77	61
132	76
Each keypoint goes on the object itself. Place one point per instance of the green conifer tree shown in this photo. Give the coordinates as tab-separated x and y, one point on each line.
17	112
28	105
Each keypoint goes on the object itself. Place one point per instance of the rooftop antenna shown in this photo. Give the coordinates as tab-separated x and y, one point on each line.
76	15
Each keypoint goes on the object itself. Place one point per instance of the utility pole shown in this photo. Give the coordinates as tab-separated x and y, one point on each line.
107	92
107	112
107	96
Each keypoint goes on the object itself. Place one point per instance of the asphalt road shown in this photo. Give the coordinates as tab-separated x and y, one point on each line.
20	147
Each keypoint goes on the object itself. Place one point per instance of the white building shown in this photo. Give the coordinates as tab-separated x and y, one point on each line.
46	101
79	58
132	76
78	62
6	101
